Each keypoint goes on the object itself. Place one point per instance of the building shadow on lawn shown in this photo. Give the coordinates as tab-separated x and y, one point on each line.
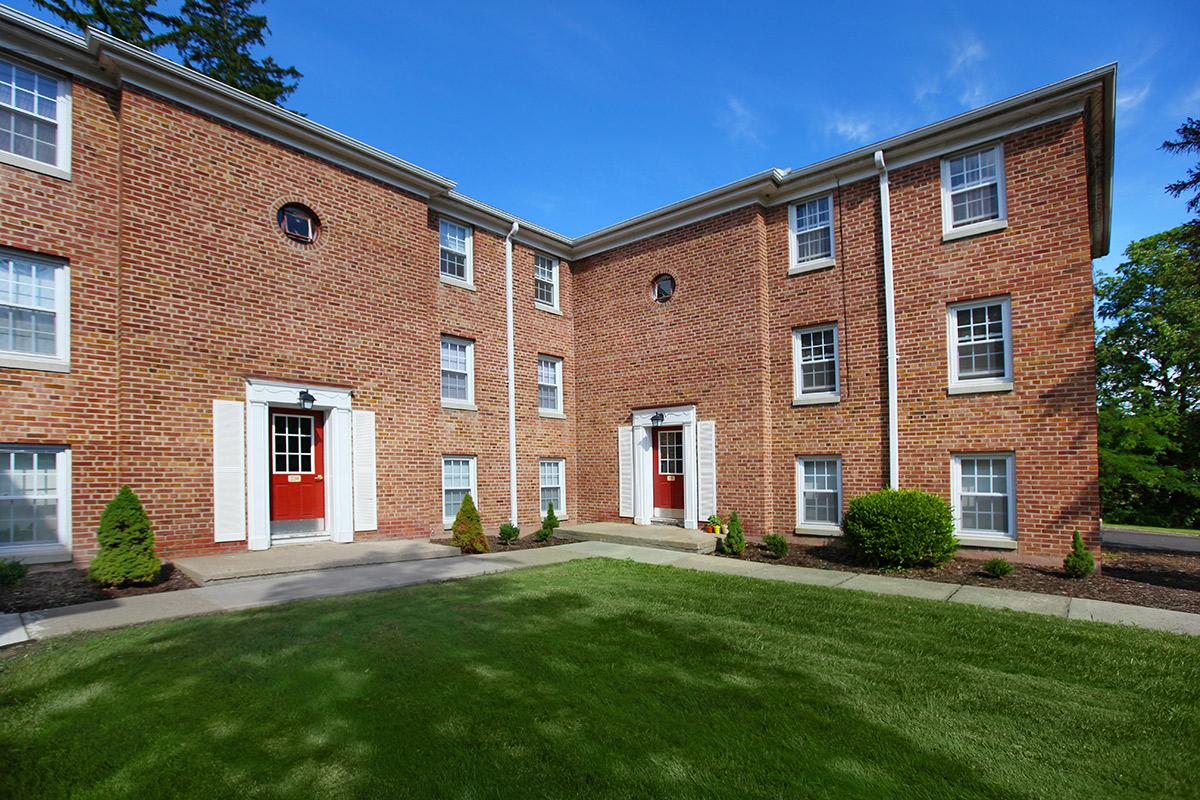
494	687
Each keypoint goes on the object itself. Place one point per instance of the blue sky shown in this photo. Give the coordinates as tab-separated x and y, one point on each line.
580	115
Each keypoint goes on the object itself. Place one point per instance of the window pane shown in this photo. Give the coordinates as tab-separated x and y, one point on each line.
981	345
818	361
454	385
820	491
984	494
814	230
551	495
28	499
545	280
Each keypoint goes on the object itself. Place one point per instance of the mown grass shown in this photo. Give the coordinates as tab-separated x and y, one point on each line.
1152	529
605	679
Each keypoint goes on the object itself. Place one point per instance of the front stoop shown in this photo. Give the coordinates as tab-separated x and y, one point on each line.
281	560
662	537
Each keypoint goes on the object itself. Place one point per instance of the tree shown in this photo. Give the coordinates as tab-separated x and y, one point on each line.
134	21
1188	142
467	533
126	544
549	523
1148	382
735	539
217	38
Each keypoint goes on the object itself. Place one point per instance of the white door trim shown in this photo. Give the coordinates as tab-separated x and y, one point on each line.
643	461
261	395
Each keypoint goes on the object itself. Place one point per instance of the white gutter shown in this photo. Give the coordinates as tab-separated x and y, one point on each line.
512	386
889	300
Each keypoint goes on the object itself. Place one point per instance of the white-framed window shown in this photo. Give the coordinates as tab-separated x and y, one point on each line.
980	346
549	378
458	372
35	312
545	281
456	252
670	451
35	119
973	198
815	365
811	227
458	480
552	483
818	492
35	507
983	488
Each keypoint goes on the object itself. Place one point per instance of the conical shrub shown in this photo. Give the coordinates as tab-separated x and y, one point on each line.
1079	563
549	523
468	530
126	544
735	539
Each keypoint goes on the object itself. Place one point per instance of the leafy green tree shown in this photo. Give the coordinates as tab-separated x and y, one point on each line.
135	21
219	37
1188	142
126	544
1148	382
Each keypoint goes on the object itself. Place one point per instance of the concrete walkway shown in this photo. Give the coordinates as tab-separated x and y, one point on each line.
1150	540
665	537
234	595
283	559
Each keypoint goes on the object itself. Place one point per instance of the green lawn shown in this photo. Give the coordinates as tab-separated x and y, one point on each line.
1151	529
605	679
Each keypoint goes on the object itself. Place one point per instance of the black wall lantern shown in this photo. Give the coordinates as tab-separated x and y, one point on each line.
306	400
657	418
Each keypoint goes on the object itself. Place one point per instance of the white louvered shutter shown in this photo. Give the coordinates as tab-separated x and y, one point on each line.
706	455
365	513
229	471
625	463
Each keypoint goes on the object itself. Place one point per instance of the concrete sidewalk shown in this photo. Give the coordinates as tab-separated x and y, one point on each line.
234	595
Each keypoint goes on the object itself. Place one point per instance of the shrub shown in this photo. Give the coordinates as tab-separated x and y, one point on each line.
776	544
735	541
997	567
509	533
1079	562
549	523
899	528
126	544
11	572
468	530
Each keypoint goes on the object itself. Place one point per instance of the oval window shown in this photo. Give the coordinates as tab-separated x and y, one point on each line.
298	223
663	288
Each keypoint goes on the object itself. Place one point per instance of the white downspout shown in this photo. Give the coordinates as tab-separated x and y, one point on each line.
889	299
512	385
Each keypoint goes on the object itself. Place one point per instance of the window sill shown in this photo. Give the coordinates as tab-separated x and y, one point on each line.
17	361
974	229
826	398
817	530
811	266
454	405
548	309
988	542
551	414
35	166
446	279
979	387
37	554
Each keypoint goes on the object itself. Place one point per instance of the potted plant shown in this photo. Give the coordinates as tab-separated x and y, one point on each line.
714	524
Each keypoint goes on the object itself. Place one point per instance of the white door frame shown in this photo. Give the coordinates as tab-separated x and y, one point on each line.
643	461
261	395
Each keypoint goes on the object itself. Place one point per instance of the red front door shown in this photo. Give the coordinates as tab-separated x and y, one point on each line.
668	473
297	472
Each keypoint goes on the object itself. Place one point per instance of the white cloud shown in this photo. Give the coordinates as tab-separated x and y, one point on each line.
965	53
740	123
1130	99
852	129
960	75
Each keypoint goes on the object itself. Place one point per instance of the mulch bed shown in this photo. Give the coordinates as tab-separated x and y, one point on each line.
51	588
524	543
1138	577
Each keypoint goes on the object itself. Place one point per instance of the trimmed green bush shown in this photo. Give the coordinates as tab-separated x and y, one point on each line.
126	544
549	523
509	533
735	541
468	530
776	544
11	572
1079	562
900	528
997	567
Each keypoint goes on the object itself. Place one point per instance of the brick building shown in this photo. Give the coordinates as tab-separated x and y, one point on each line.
275	333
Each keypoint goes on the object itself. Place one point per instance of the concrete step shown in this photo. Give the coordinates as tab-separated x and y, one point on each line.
663	537
205	570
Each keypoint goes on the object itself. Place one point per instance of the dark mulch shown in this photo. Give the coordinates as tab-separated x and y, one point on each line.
526	542
52	588
1138	577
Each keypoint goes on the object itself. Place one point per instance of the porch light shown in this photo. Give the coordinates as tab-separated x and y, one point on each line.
306	400
656	418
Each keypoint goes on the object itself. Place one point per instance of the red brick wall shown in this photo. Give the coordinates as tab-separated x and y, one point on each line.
708	344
